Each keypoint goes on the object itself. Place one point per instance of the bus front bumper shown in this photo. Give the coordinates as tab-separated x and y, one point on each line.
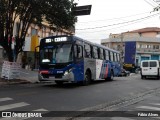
65	78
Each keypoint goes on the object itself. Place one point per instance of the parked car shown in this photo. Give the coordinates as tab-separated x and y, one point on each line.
150	68
124	73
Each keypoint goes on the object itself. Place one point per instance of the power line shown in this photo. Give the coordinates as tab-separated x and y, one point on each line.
114	18
122	25
118	23
149	3
155	2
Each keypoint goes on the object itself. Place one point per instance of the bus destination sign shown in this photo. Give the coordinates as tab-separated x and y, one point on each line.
58	39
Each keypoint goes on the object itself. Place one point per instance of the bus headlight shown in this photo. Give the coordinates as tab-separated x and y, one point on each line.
67	71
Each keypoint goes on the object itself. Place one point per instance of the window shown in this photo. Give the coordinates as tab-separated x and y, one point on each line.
145	64
78	51
101	55
107	55
61	53
115	57
87	51
111	56
140	46
118	57
95	52
33	32
104	54
155	46
148	46
153	64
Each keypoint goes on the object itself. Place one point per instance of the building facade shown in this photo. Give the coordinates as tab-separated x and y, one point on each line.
33	37
137	45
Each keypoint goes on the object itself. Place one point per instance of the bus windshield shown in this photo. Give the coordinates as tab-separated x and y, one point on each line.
60	53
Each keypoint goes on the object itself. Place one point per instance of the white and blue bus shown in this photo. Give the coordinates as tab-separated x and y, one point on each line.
72	59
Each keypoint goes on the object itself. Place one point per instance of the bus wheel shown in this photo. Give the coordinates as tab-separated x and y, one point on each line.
87	79
59	82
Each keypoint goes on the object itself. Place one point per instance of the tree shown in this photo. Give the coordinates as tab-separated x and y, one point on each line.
22	13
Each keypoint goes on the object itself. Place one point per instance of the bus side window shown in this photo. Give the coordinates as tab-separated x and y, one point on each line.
115	57
107	55
118	57
87	51
75	51
80	51
101	53
111	56
104	54
98	50
95	52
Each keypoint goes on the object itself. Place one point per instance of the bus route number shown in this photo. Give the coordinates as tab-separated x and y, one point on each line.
60	39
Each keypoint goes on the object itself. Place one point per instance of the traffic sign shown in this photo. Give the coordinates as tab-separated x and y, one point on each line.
81	10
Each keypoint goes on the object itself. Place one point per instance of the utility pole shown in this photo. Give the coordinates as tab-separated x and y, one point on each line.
121	50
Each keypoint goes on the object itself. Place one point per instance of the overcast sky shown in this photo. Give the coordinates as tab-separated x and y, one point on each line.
115	16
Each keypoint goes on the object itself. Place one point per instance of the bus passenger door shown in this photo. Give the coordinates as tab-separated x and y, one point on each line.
79	63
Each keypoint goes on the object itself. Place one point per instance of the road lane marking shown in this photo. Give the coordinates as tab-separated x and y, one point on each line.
155	103
11	106
148	107
5	99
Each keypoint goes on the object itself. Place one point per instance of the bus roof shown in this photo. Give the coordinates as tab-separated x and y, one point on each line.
74	38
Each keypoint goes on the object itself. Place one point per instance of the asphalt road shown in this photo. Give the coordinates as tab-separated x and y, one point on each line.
124	93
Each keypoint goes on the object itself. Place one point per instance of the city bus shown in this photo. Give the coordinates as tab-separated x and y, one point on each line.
72	59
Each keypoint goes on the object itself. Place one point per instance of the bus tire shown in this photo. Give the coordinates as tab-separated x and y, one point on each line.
59	82
87	79
111	77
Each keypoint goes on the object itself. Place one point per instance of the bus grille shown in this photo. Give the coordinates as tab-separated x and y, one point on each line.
53	75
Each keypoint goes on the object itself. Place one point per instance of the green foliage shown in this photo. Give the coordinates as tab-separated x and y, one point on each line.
22	13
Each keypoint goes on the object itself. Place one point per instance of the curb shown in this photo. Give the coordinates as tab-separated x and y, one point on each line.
13	82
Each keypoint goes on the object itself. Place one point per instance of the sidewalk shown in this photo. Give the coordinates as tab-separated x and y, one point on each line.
26	77
13	81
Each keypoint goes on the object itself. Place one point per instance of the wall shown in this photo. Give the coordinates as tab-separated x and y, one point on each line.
149	34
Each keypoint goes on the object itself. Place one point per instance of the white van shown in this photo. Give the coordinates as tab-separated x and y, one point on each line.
150	68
